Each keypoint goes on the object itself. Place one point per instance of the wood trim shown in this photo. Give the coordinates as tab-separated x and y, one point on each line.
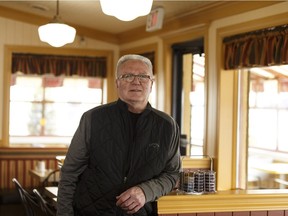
168	40
216	11
224	201
194	163
10	152
242	213
141	49
6	96
252	25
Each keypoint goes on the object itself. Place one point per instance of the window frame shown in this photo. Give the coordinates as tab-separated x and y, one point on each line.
8	50
183	61
231	168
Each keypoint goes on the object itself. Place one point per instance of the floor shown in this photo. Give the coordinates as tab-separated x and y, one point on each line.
10	203
12	210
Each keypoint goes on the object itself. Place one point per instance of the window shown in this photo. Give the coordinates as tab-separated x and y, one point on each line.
268	108
49	93
266	124
47	109
197	107
189	94
260	58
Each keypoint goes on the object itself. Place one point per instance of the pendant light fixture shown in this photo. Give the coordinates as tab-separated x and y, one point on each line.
126	10
56	33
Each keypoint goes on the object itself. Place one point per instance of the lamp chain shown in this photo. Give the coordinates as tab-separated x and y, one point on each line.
57	8
56	33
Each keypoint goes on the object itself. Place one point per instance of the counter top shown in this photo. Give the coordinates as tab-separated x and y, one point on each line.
224	201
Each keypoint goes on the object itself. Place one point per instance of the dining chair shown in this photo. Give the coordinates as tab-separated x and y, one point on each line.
32	208
45	206
52	179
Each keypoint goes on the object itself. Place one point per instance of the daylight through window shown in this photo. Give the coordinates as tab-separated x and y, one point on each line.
47	109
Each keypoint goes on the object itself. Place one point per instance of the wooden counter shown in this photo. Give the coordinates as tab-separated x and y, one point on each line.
224	201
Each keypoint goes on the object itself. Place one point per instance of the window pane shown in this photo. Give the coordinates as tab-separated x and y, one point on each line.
263	128
74	90
197	125
196	150
283	100
197	96
282	131
269	96
25	119
49	110
197	101
62	119
267	116
27	89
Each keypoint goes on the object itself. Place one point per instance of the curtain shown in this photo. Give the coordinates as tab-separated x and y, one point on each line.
59	65
260	48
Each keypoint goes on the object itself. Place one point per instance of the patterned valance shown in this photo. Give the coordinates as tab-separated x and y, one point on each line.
59	65
264	47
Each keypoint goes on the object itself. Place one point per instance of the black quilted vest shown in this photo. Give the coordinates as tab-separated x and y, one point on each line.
120	159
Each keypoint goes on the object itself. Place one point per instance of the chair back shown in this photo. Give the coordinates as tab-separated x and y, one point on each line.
52	179
46	207
32	208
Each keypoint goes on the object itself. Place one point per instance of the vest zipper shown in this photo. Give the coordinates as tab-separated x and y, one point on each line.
125	180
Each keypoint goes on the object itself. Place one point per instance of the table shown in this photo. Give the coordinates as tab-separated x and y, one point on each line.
280	169
40	176
51	192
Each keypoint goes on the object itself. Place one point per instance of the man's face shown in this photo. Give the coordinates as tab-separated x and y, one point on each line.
133	90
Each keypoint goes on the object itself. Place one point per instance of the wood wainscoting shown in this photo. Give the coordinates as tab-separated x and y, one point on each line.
16	162
246	213
268	202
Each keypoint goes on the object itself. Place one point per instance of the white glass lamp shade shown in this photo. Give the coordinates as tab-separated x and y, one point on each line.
56	34
126	10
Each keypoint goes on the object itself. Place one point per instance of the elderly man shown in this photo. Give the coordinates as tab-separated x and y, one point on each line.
124	155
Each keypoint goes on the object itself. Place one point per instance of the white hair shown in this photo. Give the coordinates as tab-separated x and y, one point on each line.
134	57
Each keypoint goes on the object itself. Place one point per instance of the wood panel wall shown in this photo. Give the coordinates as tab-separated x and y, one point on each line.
17	163
244	213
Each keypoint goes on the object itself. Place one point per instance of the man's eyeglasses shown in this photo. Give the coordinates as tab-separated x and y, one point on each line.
143	78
